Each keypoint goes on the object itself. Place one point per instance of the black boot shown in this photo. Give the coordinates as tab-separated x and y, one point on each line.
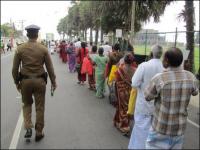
39	137
28	133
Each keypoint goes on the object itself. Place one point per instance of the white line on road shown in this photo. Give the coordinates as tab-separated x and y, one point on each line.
15	138
18	97
193	123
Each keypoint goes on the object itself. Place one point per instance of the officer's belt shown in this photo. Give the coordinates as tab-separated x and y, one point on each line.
32	77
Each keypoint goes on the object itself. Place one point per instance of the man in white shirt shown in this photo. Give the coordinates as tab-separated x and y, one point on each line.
78	44
143	109
107	49
52	47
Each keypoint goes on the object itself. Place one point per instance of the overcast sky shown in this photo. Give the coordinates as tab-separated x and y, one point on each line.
47	14
169	21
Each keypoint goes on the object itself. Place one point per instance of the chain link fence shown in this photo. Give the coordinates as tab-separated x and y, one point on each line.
144	40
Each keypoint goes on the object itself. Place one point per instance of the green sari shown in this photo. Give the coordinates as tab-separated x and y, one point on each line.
100	62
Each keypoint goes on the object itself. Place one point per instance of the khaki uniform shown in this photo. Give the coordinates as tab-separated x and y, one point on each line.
33	56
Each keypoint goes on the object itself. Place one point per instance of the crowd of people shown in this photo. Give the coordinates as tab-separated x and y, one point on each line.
132	87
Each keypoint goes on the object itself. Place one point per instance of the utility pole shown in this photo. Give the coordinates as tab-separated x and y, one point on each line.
22	25
132	22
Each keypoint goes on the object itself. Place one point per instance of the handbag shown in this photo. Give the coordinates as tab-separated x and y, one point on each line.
69	50
78	64
78	67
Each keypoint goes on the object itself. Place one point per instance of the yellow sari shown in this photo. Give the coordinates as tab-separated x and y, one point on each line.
112	75
132	100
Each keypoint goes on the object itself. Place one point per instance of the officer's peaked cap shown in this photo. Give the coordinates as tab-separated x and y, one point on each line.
32	27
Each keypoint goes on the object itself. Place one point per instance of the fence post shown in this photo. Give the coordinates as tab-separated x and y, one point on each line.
146	42
175	38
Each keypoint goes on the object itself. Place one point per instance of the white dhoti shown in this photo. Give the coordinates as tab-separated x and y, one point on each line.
140	131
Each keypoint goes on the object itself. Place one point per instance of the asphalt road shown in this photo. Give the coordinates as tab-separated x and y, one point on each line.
74	118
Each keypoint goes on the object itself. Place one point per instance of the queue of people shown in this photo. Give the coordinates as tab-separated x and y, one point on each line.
103	68
153	95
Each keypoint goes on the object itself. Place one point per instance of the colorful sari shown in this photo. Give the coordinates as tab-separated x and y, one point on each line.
80	56
63	54
123	89
114	58
72	59
91	77
100	62
91	80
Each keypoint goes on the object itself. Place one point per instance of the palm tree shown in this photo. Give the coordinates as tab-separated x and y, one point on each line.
110	15
188	16
189	8
144	10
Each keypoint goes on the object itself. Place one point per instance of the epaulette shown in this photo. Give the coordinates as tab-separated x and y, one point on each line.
18	46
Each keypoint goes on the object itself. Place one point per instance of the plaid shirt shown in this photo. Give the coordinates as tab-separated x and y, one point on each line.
171	90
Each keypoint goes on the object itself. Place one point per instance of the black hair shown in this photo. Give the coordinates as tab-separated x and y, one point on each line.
83	45
130	47
78	39
94	48
128	59
116	47
174	56
32	35
91	43
101	50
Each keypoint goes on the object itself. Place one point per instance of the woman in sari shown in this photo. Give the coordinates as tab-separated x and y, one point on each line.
123	88
114	58
63	54
91	76
71	57
112	65
100	62
81	53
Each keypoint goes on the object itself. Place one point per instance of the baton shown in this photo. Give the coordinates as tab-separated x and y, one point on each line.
52	91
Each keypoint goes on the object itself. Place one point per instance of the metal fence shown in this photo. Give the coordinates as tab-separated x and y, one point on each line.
144	40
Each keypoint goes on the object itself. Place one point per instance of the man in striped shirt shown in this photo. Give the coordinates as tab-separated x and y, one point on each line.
171	91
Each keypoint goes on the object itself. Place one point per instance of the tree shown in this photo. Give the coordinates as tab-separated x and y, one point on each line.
188	16
110	15
117	14
189	8
144	10
7	30
62	27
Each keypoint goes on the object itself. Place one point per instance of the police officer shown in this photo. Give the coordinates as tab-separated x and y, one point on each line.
31	79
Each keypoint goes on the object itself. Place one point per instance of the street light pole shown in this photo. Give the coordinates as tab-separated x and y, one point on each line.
132	22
